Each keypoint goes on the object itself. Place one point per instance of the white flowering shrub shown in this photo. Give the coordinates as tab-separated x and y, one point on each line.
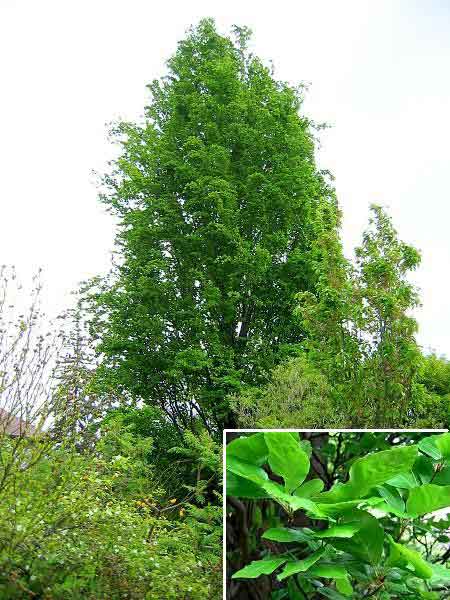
95	525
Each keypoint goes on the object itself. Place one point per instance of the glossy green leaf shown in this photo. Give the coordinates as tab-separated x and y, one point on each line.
277	492
424	469
251	449
436	446
370	537
442	477
310	488
427	498
380	467
299	566
246	470
428	446
332	510
344	586
284	534
367	543
306	504
346	530
370	471
392	497
244	488
290	503
373	501
340	492
401	555
287	459
387	509
442	441
259	567
328	571
405	481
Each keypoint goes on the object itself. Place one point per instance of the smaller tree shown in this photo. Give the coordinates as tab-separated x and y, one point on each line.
359	364
386	300
361	330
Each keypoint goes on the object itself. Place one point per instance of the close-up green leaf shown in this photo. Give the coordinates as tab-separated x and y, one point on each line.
299	566
246	470
427	498
283	534
259	567
366	523
287	459
251	449
345	530
402	554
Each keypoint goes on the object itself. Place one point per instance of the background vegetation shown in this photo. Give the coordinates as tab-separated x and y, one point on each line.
229	303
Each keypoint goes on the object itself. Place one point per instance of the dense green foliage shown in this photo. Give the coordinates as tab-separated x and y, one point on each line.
230	302
369	520
231	264
219	202
100	525
359	365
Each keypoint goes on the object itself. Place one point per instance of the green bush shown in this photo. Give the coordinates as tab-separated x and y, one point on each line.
298	394
95	526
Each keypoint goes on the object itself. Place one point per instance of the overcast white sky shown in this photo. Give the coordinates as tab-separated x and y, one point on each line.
379	74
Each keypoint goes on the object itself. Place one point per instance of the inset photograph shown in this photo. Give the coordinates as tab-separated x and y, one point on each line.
338	514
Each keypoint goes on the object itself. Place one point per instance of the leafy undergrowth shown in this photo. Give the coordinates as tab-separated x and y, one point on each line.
95	525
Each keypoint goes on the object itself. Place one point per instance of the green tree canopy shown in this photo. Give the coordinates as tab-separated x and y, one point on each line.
359	364
219	201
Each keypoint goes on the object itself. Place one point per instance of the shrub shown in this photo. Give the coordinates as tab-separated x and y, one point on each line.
95	525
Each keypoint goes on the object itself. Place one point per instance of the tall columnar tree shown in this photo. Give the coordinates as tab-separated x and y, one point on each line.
218	196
